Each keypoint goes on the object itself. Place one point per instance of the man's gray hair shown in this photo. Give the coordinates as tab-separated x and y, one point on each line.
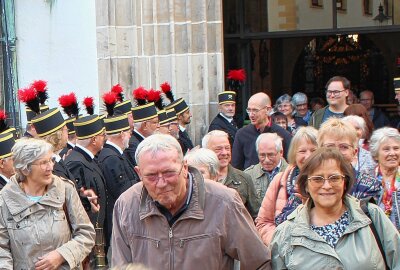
85	143
214	133
203	157
299	98
358	120
156	143
270	136
380	136
25	152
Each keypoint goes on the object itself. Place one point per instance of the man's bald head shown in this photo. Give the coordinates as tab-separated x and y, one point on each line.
261	99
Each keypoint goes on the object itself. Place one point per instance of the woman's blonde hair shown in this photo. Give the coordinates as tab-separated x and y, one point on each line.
307	133
55	139
337	128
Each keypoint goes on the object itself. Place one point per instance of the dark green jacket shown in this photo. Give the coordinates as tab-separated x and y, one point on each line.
242	182
316	118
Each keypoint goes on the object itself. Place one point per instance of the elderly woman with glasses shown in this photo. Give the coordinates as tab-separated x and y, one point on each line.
282	190
285	105
42	222
331	230
385	149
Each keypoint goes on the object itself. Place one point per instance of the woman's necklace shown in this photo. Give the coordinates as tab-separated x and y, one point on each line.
389	186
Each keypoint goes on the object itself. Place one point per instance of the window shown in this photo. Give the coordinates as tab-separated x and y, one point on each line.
340	4
367	7
316	3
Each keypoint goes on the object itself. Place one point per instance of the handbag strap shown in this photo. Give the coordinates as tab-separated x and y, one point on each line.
364	207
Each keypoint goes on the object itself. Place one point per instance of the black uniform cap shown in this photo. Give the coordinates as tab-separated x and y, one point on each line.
144	112
6	143
227	97
48	122
116	124
88	126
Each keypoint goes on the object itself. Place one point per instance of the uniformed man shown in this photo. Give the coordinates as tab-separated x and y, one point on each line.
146	123
125	107
224	120
168	122
396	84
118	172
87	174
6	161
183	114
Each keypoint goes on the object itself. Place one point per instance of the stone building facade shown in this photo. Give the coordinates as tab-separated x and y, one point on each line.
145	43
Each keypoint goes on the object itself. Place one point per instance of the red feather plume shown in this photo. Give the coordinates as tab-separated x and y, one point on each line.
237	75
3	123
140	94
110	98
27	94
41	87
117	89
155	96
89	105
3	115
30	97
166	88
69	104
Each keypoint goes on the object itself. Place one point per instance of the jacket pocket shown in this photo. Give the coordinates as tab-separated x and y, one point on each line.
183	241
153	241
22	232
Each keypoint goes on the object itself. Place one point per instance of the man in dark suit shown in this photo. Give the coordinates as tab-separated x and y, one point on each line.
117	171
6	161
377	116
146	123
71	137
224	120
87	174
183	114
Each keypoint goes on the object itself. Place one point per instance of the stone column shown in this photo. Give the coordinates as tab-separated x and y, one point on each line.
148	42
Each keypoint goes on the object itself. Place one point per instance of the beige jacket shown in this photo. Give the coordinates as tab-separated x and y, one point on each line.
296	246
29	230
214	230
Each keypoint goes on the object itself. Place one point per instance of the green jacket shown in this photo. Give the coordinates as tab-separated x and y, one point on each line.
261	179
296	246
316	117
243	184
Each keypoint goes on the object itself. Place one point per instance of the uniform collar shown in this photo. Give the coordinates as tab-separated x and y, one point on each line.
115	146
84	149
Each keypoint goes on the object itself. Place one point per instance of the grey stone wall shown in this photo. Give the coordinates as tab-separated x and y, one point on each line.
147	42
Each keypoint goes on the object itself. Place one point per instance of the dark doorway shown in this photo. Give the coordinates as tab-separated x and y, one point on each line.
353	56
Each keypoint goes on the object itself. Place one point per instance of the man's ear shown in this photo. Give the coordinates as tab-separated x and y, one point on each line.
137	170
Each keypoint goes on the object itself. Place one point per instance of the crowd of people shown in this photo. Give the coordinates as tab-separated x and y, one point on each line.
293	189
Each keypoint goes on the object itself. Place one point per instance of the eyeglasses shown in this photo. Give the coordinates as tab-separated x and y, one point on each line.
333	180
301	105
334	93
342	146
280	106
268	155
249	111
45	163
168	175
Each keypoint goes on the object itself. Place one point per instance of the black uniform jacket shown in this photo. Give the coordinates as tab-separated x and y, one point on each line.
133	144
87	174
119	175
220	123
185	141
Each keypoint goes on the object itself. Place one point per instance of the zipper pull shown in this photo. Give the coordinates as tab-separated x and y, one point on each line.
170	233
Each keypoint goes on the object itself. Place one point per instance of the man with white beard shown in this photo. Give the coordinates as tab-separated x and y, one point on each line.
117	171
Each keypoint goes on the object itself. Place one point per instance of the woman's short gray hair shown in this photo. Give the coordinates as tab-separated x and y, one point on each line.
358	120
213	133
285	98
270	136
156	143
380	136
25	152
299	98
203	157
